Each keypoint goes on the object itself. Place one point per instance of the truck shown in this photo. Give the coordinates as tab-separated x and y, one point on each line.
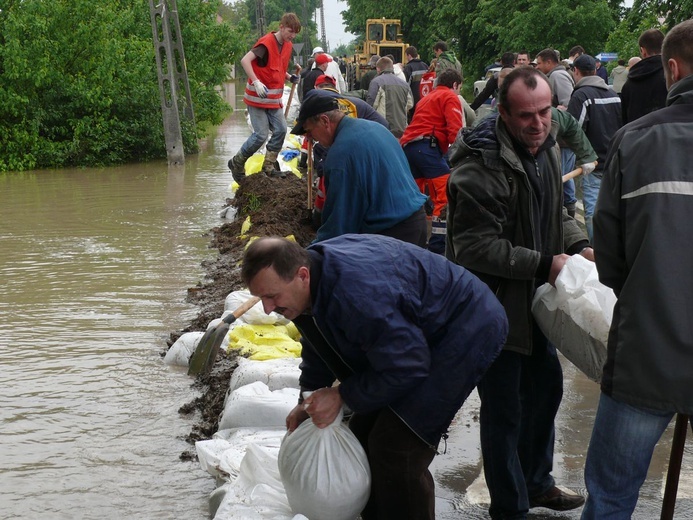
383	36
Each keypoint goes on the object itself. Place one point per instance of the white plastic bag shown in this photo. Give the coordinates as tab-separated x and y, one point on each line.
576	315
325	471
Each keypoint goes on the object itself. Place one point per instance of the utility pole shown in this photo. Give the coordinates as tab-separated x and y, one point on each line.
172	74
322	23
260	17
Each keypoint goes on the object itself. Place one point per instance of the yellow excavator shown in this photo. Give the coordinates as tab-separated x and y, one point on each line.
383	36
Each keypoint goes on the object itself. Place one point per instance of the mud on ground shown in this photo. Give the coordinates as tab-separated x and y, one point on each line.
275	207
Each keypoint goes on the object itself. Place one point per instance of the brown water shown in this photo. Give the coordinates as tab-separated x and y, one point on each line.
94	267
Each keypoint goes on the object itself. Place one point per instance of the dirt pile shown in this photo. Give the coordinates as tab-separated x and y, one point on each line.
275	207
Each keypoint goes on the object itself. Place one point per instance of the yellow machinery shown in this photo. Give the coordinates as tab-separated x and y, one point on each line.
383	36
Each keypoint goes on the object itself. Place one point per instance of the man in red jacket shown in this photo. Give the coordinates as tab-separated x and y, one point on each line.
437	120
266	64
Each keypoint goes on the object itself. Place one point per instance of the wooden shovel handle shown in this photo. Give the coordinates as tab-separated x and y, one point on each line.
577	171
241	310
291	94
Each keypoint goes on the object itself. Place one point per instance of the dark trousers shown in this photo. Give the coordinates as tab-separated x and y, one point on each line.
401	485
520	396
412	229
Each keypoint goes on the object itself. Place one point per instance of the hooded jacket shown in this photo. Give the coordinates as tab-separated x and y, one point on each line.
415	338
597	109
492	224
643	251
645	89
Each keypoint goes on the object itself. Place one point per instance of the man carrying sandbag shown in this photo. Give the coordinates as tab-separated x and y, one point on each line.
407	333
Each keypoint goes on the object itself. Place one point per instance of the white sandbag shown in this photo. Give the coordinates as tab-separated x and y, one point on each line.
256	405
209	453
257	494
180	352
229	462
275	373
325	471
256	315
576	315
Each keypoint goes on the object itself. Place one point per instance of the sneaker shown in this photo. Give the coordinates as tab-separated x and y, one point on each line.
558	500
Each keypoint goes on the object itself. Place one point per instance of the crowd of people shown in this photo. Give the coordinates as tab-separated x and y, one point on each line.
436	232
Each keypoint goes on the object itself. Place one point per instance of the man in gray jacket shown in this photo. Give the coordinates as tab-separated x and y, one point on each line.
390	96
643	243
506	224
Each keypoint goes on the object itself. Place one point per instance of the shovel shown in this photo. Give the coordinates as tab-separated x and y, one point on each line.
205	354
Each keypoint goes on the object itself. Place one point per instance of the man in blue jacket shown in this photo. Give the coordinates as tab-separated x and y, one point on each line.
407	333
369	186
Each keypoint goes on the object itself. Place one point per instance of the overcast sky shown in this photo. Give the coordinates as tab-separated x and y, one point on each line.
334	27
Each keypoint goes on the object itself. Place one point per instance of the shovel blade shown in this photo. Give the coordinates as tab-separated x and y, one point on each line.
198	360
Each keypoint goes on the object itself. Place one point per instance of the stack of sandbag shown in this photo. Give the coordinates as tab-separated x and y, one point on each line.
243	454
576	314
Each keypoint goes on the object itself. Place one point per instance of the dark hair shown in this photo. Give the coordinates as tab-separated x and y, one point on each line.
528	75
651	40
283	255
448	77
440	45
679	44
507	59
621	62
548	55
411	51
576	50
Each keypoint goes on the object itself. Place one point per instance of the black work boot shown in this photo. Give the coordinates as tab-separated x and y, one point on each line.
237	167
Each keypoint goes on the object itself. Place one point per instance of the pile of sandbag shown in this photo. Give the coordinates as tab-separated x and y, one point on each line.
323	474
576	314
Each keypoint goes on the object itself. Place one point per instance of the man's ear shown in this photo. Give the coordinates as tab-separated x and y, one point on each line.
303	273
674	69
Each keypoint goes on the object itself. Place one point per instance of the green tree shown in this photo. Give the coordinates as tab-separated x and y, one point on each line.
82	89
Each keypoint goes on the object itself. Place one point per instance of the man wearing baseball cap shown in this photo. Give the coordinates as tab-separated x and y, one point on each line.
332	68
369	187
321	63
597	109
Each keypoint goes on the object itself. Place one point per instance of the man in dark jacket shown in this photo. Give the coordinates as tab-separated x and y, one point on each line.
643	242
506	224
407	346
597	109
414	71
645	89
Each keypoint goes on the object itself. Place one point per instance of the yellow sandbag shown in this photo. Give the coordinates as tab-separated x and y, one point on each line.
263	342
245	227
254	164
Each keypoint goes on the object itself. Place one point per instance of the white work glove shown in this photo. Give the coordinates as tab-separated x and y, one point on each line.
587	168
260	88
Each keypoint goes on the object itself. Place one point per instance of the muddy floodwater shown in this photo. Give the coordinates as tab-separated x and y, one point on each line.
94	268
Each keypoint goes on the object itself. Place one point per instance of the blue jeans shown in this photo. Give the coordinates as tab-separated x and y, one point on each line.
265	121
520	396
568	165
618	457
590	191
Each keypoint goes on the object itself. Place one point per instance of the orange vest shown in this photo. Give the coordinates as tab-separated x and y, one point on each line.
273	75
